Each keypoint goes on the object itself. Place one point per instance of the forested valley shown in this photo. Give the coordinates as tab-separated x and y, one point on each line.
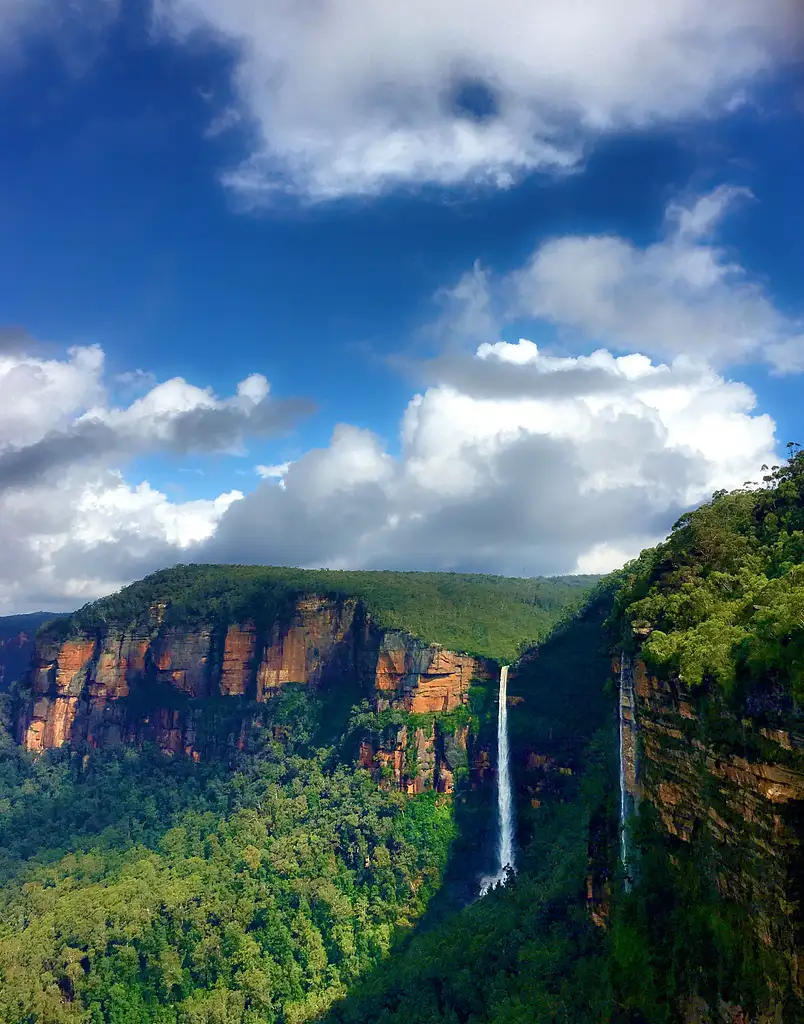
295	879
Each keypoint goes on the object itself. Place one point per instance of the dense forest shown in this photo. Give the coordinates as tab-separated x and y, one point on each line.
489	616
718	609
285	885
263	885
135	888
722	600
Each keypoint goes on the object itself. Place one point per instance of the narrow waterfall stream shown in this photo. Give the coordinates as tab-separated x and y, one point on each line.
626	708
505	799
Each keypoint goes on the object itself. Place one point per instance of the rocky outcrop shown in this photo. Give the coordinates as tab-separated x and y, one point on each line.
421	678
734	781
415	759
171	686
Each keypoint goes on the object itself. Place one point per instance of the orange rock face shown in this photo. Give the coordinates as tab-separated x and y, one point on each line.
238	660
72	665
121	660
324	643
302	651
51	724
422	678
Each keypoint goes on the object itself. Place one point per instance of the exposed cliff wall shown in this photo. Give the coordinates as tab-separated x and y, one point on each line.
188	690
727	787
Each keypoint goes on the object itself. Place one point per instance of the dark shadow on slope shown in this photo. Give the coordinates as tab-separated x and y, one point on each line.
529	952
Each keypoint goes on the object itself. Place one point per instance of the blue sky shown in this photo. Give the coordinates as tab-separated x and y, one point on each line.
201	204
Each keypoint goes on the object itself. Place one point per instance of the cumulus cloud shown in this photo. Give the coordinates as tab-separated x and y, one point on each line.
532	479
71	526
683	294
564	463
354	97
54	414
85	533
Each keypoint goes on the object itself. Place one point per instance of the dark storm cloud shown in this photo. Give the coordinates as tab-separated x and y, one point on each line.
531	511
494	378
204	429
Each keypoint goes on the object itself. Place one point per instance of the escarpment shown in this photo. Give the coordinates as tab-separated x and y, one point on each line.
725	781
193	690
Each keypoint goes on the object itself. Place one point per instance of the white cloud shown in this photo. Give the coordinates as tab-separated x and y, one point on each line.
680	295
552	481
85	532
698	220
352	97
278	472
41	395
71	526
47	423
581	463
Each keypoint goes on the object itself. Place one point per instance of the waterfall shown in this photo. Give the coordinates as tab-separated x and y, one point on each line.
505	799
626	717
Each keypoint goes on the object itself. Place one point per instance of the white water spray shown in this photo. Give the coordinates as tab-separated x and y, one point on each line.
505	800
626	706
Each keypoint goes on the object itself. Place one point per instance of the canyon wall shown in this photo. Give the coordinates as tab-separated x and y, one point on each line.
727	785
191	690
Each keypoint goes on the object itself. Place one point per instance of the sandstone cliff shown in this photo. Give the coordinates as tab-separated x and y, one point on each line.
727	785
189	689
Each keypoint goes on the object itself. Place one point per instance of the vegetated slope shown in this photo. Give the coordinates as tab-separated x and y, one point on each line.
489	616
142	889
721	602
256	887
264	887
714	619
17	634
528	953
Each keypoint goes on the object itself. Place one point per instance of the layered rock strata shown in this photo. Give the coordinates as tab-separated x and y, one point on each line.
736	783
158	684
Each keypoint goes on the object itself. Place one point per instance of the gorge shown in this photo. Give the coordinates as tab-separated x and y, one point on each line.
250	794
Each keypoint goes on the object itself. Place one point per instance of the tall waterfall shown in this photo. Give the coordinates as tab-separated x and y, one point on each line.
505	800
627	760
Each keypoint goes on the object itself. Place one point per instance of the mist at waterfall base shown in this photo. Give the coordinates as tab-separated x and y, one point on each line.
505	802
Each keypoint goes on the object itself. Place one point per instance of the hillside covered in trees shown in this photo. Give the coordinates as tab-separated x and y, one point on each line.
284	884
722	600
489	616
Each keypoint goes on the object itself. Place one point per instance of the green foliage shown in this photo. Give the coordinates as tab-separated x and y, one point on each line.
141	889
722	600
275	886
675	935
489	616
720	606
526	954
